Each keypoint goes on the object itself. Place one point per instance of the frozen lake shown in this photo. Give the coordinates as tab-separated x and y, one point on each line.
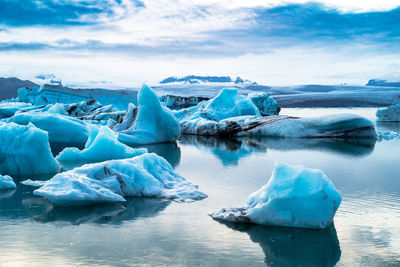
366	231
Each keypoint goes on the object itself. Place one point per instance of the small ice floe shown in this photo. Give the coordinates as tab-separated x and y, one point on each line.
34	183
294	197
391	113
388	135
147	175
25	150
101	145
7	182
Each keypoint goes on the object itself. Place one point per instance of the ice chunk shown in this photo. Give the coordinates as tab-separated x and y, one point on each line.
265	104
102	145
109	181
57	108
229	103
127	120
34	183
6	182
25	150
294	196
391	113
61	128
330	126
388	135
154	123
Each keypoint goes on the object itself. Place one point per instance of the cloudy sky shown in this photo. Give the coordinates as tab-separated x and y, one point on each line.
129	42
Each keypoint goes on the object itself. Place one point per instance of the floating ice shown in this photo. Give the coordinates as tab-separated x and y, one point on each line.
146	175
388	135
102	145
330	126
294	196
391	113
229	103
153	124
25	150
265	104
6	182
61	128
34	183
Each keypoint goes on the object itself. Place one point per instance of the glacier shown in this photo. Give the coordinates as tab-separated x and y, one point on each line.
146	175
7	182
25	150
101	145
391	113
293	197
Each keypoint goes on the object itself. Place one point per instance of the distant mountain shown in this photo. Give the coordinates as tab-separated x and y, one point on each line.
194	79
10	86
377	82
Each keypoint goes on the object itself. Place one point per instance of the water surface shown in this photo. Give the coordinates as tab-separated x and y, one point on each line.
366	230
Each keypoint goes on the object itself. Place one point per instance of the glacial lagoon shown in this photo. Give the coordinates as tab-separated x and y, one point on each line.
366	229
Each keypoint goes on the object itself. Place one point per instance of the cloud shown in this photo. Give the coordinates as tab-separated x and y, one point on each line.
18	13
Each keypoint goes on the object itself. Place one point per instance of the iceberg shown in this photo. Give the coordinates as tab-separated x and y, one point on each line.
329	126
391	113
231	114
153	124
229	103
25	150
294	197
147	175
101	145
61	129
178	102
265	104
6	182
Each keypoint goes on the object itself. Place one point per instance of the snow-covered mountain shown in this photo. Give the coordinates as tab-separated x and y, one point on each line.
194	79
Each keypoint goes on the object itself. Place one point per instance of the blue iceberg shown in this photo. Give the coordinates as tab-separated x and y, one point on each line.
294	197
25	150
101	145
147	175
153	123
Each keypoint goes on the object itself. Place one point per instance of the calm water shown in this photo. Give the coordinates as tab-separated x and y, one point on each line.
366	230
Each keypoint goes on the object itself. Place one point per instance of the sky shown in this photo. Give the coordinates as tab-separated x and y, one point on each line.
119	43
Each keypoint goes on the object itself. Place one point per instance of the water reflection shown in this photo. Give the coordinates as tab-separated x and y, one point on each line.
132	209
231	150
22	204
294	247
388	126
